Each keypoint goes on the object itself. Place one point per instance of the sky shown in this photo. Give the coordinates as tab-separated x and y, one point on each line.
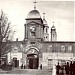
61	12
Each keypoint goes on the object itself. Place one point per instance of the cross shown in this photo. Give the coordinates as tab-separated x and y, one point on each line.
53	23
43	15
35	4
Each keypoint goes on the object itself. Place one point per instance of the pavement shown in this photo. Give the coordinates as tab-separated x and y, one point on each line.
26	72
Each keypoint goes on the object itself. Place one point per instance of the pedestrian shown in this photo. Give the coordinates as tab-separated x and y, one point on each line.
71	68
41	66
57	69
22	66
62	70
67	68
54	70
74	68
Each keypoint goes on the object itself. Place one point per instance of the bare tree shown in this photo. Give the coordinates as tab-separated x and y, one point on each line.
5	28
6	33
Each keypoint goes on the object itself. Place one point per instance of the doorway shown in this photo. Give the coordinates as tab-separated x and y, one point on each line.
32	61
50	64
15	62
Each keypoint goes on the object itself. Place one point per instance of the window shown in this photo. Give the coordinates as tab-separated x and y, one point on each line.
58	47
32	29
46	30
50	48
69	48
50	63
62	48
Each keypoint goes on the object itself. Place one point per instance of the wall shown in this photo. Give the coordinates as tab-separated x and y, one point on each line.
55	58
17	55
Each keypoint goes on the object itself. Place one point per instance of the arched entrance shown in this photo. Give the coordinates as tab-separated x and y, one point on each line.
33	61
32	58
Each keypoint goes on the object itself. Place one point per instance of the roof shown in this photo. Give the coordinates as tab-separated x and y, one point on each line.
43	42
53	27
34	14
44	21
59	42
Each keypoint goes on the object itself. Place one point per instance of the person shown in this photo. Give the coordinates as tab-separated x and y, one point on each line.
57	69
71	68
62	69
9	66
67	68
4	65
54	70
74	68
41	66
22	66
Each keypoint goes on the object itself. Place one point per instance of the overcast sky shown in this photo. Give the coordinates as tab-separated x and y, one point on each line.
61	12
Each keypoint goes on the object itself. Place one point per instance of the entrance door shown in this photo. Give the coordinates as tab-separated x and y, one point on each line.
33	61
50	63
15	62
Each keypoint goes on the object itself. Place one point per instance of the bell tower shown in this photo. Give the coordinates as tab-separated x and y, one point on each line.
46	27
34	24
53	33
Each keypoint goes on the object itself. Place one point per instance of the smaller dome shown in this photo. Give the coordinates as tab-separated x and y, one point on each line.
34	14
53	27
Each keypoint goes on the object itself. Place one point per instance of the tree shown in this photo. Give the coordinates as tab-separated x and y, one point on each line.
6	33
5	28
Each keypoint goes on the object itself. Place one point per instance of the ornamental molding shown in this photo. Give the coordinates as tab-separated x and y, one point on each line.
31	47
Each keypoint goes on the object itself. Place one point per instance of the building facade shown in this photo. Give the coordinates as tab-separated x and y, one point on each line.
36	49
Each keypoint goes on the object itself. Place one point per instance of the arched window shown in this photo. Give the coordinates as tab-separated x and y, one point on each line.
46	30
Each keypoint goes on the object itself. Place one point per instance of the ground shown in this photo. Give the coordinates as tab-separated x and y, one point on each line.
27	72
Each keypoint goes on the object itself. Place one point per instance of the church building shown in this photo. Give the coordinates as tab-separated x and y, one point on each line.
36	49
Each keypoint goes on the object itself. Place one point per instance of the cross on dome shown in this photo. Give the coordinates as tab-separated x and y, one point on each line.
35	4
53	23
53	27
43	15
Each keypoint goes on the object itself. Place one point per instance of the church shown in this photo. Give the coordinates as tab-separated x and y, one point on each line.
36	49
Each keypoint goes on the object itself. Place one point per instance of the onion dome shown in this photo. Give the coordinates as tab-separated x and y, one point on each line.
53	27
34	14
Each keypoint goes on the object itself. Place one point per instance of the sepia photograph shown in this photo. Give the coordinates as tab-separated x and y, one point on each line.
37	37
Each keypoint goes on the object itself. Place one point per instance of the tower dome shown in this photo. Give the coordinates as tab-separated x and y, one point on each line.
34	14
53	27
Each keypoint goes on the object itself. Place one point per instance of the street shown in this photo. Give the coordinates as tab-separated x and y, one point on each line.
27	72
